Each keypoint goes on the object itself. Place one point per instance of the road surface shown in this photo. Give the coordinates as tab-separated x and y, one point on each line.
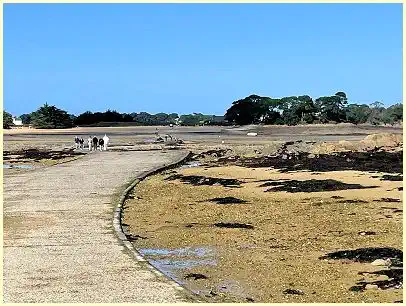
59	241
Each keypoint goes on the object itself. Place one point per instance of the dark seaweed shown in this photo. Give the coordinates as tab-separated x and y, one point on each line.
197	180
311	185
228	200
233	225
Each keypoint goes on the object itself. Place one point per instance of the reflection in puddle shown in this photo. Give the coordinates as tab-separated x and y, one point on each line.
170	264
189	251
175	262
6	166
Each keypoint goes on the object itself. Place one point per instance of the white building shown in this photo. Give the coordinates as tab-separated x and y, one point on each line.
18	122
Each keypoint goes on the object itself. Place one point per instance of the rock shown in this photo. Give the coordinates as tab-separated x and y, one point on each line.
293	291
381	262
371	286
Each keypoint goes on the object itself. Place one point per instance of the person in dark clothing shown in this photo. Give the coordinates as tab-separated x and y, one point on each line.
77	143
81	142
95	142
101	143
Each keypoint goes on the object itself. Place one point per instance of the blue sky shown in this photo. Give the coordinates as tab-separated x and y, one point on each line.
188	58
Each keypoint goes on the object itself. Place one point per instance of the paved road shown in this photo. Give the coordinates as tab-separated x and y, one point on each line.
59	242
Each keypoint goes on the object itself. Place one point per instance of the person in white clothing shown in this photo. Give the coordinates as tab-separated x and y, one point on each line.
106	142
89	143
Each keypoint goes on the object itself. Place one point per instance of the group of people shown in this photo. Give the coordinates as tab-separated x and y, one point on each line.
93	143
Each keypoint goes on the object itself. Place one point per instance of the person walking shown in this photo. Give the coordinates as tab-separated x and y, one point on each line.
89	143
101	143
106	140
95	142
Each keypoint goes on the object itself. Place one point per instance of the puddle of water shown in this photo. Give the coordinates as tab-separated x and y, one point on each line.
174	262
171	264
191	165
6	166
184	252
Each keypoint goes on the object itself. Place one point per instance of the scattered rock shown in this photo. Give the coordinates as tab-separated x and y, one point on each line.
293	291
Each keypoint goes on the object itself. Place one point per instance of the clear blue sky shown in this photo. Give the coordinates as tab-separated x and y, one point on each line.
197	57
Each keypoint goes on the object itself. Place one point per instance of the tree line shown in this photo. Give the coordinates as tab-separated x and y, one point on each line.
253	109
51	117
295	110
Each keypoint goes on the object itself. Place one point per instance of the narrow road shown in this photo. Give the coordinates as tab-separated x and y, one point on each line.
59	240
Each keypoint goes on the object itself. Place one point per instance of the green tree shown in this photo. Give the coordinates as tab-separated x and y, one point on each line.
26	118
298	109
252	109
355	113
7	120
393	114
331	108
51	117
376	115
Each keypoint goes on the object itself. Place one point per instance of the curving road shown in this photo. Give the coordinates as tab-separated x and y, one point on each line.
59	241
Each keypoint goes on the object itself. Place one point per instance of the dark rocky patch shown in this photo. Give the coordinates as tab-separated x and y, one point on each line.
311	185
395	280
355	201
293	291
37	155
228	200
197	180
337	197
213	153
396	178
195	276
394	273
366	233
388	200
367	254
372	160
233	225
131	237
400	188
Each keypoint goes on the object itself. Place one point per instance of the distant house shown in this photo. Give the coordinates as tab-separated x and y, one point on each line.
17	121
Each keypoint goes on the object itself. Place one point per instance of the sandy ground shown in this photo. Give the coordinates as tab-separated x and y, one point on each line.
291	231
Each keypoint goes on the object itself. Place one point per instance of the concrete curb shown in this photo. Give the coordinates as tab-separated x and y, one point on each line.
118	212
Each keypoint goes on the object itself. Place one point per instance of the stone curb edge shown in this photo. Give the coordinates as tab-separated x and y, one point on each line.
118	212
